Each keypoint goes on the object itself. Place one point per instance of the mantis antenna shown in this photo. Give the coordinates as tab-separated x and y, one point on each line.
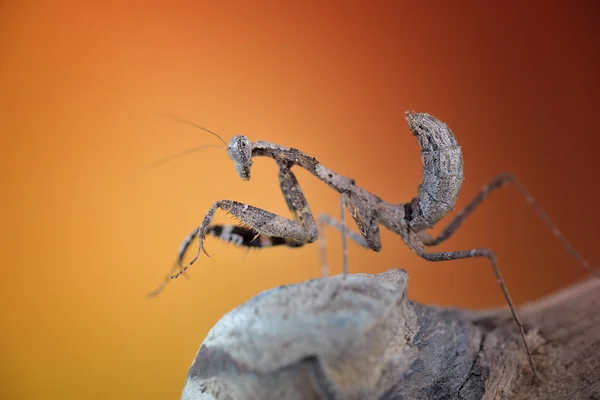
171	157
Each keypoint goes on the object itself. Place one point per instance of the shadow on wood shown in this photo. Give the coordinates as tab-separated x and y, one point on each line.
361	338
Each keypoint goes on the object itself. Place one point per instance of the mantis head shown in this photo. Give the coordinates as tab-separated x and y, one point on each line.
239	149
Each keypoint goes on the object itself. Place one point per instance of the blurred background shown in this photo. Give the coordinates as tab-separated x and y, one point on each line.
82	87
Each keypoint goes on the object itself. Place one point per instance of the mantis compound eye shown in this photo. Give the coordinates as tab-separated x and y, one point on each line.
240	151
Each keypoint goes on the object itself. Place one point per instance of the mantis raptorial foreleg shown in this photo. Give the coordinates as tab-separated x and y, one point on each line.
264	225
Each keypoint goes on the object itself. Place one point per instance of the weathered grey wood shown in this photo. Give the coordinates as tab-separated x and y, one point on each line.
361	338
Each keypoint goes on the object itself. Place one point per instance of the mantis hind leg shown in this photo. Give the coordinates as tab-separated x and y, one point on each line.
497	183
457	255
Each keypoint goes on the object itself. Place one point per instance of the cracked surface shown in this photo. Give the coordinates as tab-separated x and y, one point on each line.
360	338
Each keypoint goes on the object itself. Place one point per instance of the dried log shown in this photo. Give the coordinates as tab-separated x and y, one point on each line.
359	337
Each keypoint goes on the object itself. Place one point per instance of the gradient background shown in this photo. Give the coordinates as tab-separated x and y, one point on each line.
81	87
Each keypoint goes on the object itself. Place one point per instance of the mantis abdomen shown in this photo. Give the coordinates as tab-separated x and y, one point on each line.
442	171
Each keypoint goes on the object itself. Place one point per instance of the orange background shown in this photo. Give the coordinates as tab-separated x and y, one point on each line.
81	90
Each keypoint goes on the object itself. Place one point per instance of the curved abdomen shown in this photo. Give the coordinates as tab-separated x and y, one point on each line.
442	171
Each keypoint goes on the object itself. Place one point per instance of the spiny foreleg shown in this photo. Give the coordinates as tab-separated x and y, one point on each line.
242	236
177	265
297	203
261	228
237	235
257	219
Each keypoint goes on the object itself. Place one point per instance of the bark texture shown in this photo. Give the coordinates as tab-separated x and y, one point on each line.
361	338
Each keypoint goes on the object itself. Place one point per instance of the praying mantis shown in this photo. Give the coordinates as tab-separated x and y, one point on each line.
442	174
